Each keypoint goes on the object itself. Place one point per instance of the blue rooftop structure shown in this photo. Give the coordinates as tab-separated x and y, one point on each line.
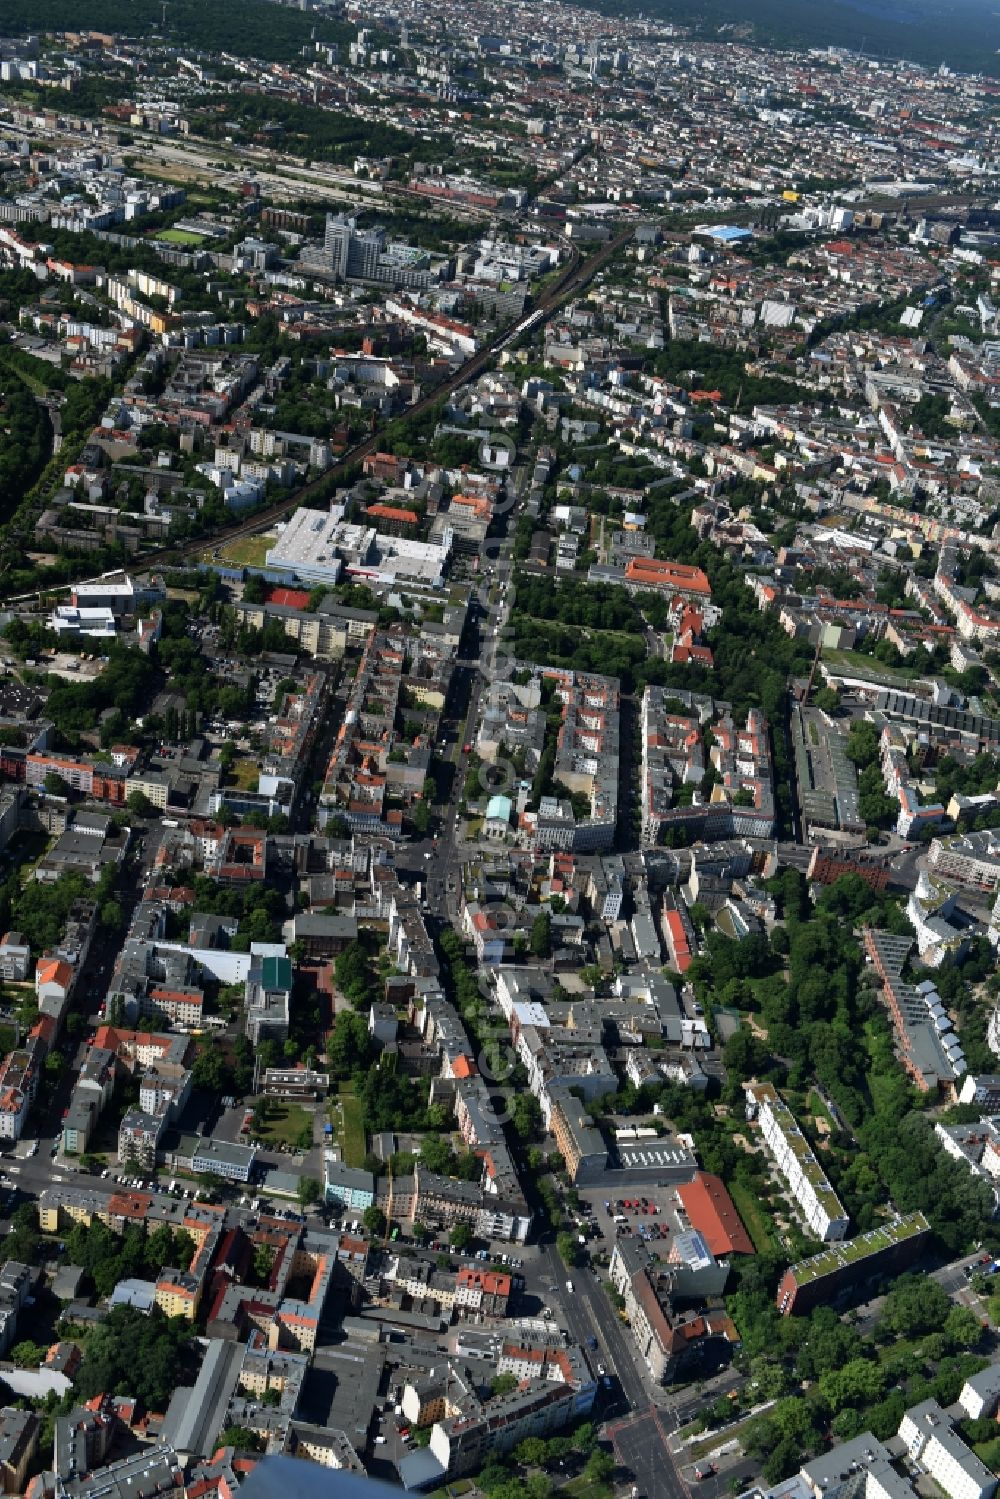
727	233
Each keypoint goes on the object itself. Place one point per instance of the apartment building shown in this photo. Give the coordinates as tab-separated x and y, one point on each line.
982	1090
928	1048
665	1328
580	1142
844	1268
818	1203
461	1443
139	1136
19	1432
15	958
980	1395
347	1185
153	1473
932	1441
486	1292
971	859
740	803
20	1072
16	1282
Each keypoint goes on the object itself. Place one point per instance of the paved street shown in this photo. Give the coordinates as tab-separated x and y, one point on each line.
588	1314
640	1445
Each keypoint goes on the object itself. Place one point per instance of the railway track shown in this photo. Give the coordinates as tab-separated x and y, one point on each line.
577	275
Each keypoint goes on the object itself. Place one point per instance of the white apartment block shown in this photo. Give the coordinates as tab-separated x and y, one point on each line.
981	1393
818	1202
932	1442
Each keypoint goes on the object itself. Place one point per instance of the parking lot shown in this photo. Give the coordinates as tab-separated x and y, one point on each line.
648	1212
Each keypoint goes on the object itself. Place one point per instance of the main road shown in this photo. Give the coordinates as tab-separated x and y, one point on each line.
639	1438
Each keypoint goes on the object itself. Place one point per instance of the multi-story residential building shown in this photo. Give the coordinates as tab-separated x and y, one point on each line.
665	1335
980	1395
931	1440
181	1004
580	1142
484	1291
462	1442
982	1090
20	1073
819	1204
347	1185
928	1048
139	1136
15	1288
741	800
845	1267
152	1473
971	859
19	1432
15	958
326	634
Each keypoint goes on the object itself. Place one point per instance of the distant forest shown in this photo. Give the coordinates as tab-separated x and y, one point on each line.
247	28
965	34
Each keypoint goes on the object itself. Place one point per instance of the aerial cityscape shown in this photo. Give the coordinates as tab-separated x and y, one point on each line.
500	748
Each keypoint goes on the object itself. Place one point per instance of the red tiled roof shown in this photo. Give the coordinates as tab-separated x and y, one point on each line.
712	1212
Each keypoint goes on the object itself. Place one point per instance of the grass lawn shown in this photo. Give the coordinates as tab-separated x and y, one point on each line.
352	1130
181	237
285	1123
752	1212
867	666
989	1452
246	773
585	1488
819	1110
248	551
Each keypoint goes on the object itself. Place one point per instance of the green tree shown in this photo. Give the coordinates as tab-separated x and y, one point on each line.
540	941
242	1438
374	1220
600	1466
531	1452
962	1328
28	1355
526	1117
569	1249
160	1247
860	1382
916	1304
309	1190
460	1236
111	915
